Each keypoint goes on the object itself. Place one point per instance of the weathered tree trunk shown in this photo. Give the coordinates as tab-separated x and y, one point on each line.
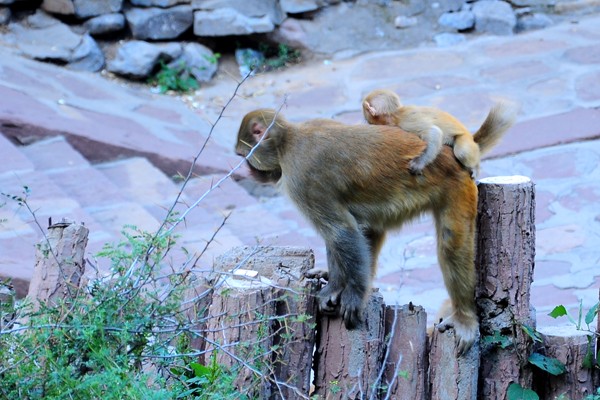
570	347
406	361
348	363
261	319
504	264
59	265
452	377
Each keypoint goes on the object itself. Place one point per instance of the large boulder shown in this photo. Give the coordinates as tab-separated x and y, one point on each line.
495	17
159	23
199	61
82	8
227	21
137	59
43	37
299	6
104	24
252	9
460	20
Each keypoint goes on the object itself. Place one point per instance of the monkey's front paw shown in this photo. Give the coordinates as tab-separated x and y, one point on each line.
351	309
317	273
329	299
466	332
415	167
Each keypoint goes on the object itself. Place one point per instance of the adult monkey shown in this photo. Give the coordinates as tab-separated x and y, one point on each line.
353	183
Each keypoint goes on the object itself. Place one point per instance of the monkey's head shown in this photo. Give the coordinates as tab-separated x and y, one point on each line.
266	129
379	107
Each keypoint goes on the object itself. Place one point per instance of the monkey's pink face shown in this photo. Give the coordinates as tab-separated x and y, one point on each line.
264	176
254	163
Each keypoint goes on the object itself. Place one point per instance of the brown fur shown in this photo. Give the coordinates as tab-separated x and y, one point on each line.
353	183
437	128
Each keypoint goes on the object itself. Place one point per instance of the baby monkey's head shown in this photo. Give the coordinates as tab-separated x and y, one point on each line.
380	106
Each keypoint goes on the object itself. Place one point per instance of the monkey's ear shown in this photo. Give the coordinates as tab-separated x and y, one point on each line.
258	130
370	109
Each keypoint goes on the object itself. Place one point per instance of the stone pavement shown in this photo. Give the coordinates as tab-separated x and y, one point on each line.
109	148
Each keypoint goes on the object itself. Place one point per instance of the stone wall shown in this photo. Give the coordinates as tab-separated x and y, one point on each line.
130	37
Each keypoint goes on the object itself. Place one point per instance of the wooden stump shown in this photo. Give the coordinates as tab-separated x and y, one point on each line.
197	301
261	319
59	264
452	377
504	264
570	347
406	361
348	364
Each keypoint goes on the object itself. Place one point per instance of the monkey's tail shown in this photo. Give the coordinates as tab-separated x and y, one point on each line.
499	120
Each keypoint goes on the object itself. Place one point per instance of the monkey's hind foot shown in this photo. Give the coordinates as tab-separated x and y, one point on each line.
465	331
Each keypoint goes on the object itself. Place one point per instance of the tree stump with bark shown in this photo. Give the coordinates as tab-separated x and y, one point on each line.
452	377
570	347
504	263
348	364
59	265
406	361
261	320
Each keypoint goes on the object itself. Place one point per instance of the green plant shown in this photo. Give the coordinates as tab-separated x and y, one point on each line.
284	56
176	77
213	59
206	381
278	56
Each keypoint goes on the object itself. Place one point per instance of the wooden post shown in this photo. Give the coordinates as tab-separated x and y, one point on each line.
59	265
570	347
452	377
504	263
406	361
261	319
348	364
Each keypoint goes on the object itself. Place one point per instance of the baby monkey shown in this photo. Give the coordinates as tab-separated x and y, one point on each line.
437	128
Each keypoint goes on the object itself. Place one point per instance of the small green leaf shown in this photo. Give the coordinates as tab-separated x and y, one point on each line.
199	369
532	333
558	311
548	364
517	392
497	339
591	314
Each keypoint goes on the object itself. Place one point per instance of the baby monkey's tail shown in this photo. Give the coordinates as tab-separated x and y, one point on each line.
499	120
